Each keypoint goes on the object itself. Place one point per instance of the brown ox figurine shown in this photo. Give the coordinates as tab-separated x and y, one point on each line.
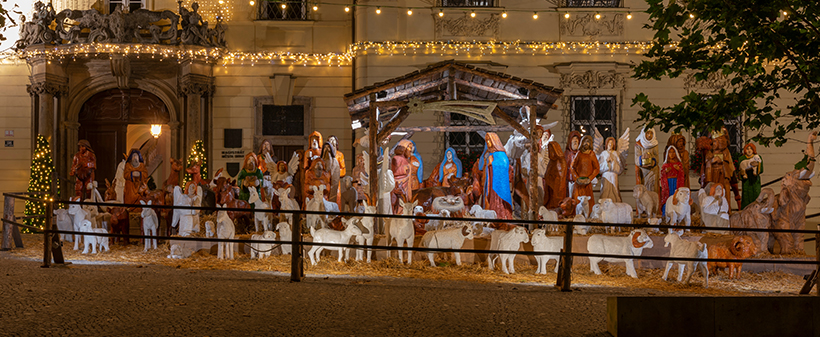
739	248
173	178
567	209
459	187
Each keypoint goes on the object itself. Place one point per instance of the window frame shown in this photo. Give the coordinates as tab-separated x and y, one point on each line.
469	148
593	121
260	101
264	4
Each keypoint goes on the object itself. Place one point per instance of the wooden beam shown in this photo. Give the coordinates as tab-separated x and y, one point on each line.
393	124
373	131
533	182
511	121
456	128
488	88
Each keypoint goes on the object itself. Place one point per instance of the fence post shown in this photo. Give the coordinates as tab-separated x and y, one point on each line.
564	280
296	267
47	235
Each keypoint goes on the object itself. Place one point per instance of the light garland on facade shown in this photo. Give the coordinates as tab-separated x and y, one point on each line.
230	58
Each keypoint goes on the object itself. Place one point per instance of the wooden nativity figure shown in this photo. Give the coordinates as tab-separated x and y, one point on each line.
195	171
83	168
448	168
555	187
136	177
265	157
187	219
672	176
315	150
400	165
679	142
250	176
719	164
646	160
571	150
497	194
584	169
612	157
751	166
416	167
315	175
340	157
331	165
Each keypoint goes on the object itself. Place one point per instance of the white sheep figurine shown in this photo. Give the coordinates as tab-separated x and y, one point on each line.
209	229
150	223
580	229
686	249
678	208
284	235
632	244
287	203
225	229
543	243
479	212
506	240
549	215
615	212
261	220
327	235
646	201
583	205
261	250
368	234
64	222
316	205
438	221
79	214
451	238
402	231
93	240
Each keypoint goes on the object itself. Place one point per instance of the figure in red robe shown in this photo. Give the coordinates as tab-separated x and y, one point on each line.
83	168
573	143
584	169
555	186
672	176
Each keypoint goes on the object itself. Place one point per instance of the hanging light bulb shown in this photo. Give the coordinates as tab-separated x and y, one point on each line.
347	9
315	7
440	13
691	16
156	130
409	11
378	10
252	3
504	14
535	15
629	16
597	16
566	15
472	14
284	5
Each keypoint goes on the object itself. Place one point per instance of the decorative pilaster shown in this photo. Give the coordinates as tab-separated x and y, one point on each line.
193	87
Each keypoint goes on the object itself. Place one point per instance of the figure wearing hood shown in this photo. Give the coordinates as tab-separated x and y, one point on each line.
584	169
136	177
679	142
751	166
555	187
448	168
571	150
497	178
83	168
646	160
671	176
249	177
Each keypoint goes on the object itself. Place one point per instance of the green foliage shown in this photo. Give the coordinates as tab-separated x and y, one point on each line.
754	47
42	167
4	15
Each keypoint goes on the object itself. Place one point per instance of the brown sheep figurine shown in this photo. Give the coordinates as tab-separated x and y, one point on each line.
739	248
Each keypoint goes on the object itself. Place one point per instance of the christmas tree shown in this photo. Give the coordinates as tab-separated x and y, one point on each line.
197	154
40	181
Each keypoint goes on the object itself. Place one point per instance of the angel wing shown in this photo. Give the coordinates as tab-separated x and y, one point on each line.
178	193
293	164
549	126
597	142
623	146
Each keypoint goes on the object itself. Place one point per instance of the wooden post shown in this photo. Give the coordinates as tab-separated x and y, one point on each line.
296	267
47	236
566	262
533	178
373	132
817	256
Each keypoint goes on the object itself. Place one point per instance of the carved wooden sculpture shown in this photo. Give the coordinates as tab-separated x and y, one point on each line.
756	215
83	168
646	160
584	169
790	211
555	187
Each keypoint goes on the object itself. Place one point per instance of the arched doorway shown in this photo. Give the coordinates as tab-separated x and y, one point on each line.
115	120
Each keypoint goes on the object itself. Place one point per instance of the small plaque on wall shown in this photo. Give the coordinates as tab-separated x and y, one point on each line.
9	143
233	138
232	168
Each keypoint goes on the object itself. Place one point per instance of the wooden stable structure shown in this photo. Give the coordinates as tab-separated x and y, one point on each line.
451	87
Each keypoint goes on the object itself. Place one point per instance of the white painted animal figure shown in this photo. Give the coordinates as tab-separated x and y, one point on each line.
583	228
402	230
64	222
91	240
549	215
261	250
209	229
615	212
187	219
261	220
451	238
316	204
284	235
437	222
632	244
543	243
287	204
327	235
678	208
685	249
150	224
387	182
583	205
646	201
596	211
180	252
479	212
506	240
224	230
331	206
79	215
368	234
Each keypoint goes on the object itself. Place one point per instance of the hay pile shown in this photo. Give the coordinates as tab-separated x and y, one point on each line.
614	274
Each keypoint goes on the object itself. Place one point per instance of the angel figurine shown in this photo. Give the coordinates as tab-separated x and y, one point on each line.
188	219
611	158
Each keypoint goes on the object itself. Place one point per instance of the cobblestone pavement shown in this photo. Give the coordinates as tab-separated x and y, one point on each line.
134	300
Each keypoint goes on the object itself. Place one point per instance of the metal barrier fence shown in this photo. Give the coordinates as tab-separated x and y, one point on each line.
52	246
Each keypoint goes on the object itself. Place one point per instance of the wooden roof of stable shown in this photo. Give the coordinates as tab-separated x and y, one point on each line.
470	82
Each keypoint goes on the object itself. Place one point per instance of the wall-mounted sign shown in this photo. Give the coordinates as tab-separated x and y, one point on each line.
9	143
9	133
230	154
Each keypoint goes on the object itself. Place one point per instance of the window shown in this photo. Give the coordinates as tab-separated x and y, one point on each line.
467	3
592	3
587	112
734	128
129	5
283	120
273	10
465	143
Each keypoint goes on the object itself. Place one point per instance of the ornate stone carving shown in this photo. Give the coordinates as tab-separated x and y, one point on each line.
139	26
47	87
585	24
592	80
121	69
713	81
466	26
193	84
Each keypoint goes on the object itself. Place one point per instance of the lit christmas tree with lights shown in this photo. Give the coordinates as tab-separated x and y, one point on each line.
42	167
197	154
